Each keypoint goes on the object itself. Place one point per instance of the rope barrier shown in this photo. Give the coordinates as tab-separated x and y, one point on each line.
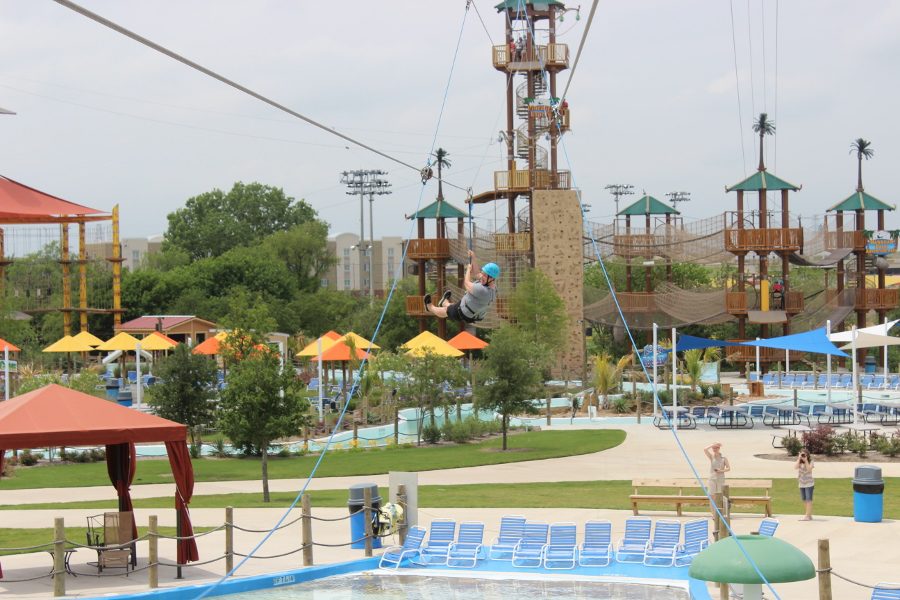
24	548
193	564
282	555
190	537
282	526
865	585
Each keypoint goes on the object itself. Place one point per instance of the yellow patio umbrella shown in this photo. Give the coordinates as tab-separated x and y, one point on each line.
121	341
157	341
68	344
425	341
360	342
312	349
88	337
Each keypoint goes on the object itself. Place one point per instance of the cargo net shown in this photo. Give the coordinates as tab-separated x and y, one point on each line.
700	241
667	306
33	274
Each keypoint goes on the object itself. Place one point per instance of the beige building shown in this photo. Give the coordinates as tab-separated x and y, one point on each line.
356	265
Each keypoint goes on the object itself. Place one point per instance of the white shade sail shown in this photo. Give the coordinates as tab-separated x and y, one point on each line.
847	336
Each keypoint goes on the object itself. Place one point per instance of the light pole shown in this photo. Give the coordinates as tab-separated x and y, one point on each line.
618	190
361	182
676	197
379	187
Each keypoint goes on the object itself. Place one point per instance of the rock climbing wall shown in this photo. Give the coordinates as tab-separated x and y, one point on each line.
559	254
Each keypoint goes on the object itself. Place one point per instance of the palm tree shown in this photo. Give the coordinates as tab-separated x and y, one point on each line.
608	376
863	149
763	126
442	162
693	366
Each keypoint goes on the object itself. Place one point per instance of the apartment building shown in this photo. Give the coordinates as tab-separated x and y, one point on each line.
359	266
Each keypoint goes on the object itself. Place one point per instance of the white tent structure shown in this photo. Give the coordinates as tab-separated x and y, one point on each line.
863	338
847	336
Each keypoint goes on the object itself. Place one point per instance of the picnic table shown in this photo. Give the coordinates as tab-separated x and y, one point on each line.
669	414
784	415
732	417
862	429
885	412
792	431
840	414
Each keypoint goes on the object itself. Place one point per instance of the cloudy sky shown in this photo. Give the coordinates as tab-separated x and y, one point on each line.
655	103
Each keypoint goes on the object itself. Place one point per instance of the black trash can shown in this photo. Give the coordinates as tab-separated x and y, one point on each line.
358	516
868	494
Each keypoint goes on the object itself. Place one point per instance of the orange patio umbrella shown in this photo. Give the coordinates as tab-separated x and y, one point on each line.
312	349
466	341
157	341
6	345
340	352
211	345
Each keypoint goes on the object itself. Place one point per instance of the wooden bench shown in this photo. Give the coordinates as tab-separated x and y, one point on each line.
688	491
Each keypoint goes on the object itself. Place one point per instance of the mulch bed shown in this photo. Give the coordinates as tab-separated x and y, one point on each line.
871	457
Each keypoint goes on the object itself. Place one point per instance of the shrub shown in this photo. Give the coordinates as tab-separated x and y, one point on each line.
820	440
712	391
889	446
220	449
196	450
859	445
431	435
792	445
622	405
841	442
284	452
30	459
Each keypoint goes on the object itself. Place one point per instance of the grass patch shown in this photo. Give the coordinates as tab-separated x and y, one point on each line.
22	538
534	445
832	497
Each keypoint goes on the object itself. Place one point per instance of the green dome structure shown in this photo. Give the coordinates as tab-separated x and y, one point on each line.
778	561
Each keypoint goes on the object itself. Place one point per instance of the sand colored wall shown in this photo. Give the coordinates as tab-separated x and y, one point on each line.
559	254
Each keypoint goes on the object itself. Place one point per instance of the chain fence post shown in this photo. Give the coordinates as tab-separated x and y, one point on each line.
402	526
153	552
59	557
367	515
306	530
824	570
229	539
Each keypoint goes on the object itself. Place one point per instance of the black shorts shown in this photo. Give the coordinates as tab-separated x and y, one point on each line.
454	312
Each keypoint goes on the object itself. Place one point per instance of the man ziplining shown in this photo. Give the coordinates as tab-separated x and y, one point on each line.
480	294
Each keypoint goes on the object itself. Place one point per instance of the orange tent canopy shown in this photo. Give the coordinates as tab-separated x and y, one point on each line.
12	347
208	346
466	341
332	334
55	415
339	352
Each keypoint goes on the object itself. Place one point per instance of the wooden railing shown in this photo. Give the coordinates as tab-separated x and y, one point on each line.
536	57
845	239
793	302
743	354
763	240
521	181
636	302
512	242
420	249
736	302
415	305
877	299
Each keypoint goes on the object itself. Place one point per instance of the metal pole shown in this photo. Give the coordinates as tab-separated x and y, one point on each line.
655	345
828	360
321	395
758	372
137	368
855	377
674	381
6	372
787	362
371	247
362	237
885	353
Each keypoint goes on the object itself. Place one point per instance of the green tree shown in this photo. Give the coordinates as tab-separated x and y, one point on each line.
863	149
693	366
510	376
539	311
261	403
214	222
85	381
608	376
186	390
304	251
443	162
763	126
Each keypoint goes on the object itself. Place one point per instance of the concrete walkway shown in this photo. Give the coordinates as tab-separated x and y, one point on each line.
864	552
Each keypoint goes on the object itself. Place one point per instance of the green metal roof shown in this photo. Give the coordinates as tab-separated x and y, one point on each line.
538	4
860	200
648	205
724	562
762	180
440	209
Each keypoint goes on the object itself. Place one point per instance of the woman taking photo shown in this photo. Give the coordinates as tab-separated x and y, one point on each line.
805	479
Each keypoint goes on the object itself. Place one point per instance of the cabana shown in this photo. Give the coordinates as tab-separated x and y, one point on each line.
59	416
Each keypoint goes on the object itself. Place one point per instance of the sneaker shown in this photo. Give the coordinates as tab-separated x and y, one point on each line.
427	299
445	298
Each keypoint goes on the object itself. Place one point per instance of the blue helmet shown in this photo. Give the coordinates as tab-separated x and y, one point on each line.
491	270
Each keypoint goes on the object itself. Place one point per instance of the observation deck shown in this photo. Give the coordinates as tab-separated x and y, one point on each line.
534	58
838	239
428	249
637	302
877	299
740	303
525	181
763	241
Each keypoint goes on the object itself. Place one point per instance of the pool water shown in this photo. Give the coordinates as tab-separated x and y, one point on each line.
378	586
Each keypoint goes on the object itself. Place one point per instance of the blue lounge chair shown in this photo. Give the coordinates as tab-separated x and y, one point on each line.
561	549
787	381
878	383
512	528
660	551
768	379
767	527
894	383
752	376
886	591
440	535
696	538
632	546
529	552
597	549
412	546
466	550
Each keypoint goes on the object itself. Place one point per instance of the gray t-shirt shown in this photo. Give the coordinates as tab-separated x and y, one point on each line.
476	302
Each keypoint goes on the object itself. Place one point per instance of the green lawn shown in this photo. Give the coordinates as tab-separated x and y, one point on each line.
832	497
533	445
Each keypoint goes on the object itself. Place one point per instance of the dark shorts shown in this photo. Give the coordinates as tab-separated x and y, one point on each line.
453	312
806	493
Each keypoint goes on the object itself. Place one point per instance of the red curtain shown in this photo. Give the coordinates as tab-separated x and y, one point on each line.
180	460
121	462
2	461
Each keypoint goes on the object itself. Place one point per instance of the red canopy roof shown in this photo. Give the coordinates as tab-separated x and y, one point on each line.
18	200
142	323
466	341
59	416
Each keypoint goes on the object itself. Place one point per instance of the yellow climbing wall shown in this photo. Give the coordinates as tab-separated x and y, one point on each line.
559	254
